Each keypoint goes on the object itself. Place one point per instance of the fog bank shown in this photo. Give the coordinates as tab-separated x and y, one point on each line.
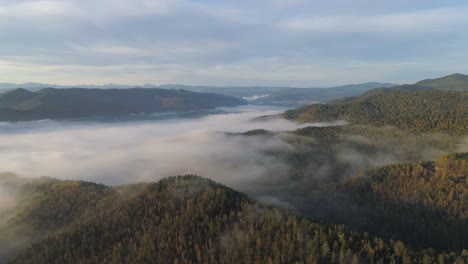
117	153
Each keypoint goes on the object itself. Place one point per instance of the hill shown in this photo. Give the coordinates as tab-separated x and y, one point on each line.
399	88
422	111
49	103
188	219
454	82
419	202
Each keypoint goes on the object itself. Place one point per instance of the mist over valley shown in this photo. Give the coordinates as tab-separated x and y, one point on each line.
276	132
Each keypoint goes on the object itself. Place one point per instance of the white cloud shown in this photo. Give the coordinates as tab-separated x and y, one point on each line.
34	9
416	23
295	43
110	50
104	9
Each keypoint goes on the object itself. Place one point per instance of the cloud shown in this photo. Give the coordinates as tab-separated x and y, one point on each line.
300	43
35	9
85	9
255	97
413	23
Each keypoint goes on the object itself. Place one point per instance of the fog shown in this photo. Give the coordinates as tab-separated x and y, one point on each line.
118	153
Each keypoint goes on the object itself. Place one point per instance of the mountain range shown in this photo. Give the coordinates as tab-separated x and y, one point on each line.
281	96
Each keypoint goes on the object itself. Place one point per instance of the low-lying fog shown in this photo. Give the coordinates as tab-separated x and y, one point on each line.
118	153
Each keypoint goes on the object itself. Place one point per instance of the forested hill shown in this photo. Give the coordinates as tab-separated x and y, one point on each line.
424	202
185	219
422	111
454	82
399	88
21	104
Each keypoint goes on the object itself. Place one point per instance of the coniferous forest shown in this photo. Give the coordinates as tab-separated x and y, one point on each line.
188	219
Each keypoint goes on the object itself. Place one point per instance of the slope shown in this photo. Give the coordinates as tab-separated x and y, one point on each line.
454	82
423	111
424	202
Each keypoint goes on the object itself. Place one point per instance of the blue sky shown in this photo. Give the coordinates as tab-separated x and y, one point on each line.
259	42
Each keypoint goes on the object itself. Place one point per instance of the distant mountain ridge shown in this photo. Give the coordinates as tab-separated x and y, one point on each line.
263	95
50	103
283	95
454	82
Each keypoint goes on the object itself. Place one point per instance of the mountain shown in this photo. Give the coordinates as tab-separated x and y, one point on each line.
284	96
184	219
454	82
32	86
421	111
50	103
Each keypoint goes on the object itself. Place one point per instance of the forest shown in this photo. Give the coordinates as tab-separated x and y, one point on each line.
188	219
415	111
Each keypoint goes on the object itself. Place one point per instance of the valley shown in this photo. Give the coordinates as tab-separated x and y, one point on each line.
380	178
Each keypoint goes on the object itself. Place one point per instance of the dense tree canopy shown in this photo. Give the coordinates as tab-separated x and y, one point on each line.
425	202
192	220
423	111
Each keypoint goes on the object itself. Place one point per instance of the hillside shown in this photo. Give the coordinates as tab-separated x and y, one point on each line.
419	202
422	111
454	82
188	220
399	88
21	104
422	203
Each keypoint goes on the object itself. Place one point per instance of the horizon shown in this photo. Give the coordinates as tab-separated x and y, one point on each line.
110	85
65	86
247	43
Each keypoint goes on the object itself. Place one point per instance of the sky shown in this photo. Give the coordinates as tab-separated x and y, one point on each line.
302	43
